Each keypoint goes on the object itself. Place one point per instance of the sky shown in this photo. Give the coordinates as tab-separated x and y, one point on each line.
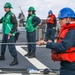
41	6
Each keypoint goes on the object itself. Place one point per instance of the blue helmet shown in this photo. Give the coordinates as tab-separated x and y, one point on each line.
66	13
50	12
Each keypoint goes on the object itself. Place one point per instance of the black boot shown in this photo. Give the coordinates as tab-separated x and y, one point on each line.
32	56
15	62
28	54
2	57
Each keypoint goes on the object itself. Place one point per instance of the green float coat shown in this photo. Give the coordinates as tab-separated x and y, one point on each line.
7	24
29	25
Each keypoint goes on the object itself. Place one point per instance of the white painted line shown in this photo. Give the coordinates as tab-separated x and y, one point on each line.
36	46
12	74
34	61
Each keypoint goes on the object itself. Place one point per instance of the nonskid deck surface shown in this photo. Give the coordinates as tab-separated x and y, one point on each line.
42	60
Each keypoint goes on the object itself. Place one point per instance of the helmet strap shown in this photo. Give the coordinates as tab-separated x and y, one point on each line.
67	21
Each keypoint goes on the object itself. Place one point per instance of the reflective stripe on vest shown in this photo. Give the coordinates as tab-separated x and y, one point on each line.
10	29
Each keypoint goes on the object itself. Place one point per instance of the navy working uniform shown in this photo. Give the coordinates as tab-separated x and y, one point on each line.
9	26
11	40
51	26
31	36
31	25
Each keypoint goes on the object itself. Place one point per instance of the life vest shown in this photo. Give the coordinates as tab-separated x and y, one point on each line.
29	26
68	55
7	24
50	19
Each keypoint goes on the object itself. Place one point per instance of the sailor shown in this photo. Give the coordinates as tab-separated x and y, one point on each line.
9	25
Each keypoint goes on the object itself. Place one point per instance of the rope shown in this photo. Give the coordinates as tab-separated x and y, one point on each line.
20	43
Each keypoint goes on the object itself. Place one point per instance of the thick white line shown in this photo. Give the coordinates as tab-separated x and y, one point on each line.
34	61
12	74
